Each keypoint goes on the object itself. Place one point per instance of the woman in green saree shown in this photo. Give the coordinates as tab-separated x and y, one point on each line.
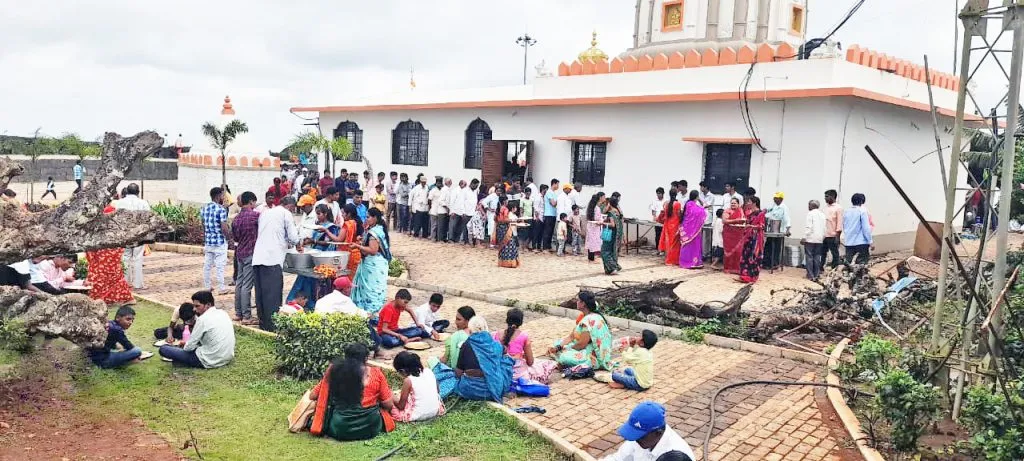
610	248
353	400
590	343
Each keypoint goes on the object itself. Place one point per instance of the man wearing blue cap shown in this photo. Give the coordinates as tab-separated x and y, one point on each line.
647	436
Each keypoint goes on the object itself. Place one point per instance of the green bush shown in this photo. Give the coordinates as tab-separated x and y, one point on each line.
621	309
396	268
876	355
306	343
81	268
13	336
994	433
908	405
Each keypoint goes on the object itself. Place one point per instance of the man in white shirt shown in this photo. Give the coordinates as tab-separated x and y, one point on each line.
276	234
708	200
574	195
444	210
331	198
434	198
469	201
647	436
338	301
657	206
535	191
425	317
814	236
419	203
455	212
490	204
212	344
730	193
776	212
133	256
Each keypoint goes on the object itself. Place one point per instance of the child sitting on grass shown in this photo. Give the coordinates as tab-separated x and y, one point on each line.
183	316
639	372
419	399
106	356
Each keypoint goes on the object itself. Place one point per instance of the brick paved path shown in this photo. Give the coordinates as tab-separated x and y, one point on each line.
753	422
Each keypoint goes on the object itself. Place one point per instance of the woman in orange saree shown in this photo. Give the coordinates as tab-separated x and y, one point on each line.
353	229
670	232
732	236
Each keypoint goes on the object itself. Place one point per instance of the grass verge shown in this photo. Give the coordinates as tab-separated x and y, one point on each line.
239	412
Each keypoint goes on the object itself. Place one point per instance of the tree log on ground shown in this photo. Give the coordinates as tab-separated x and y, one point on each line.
76	225
658	300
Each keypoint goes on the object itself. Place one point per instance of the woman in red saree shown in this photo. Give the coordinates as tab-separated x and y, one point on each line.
278	190
732	236
106	275
670	232
753	245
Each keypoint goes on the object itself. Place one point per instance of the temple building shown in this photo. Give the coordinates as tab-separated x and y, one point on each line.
712	90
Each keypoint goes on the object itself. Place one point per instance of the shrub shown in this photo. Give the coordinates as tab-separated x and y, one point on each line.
876	355
908	405
306	343
81	268
396	268
13	336
621	309
995	434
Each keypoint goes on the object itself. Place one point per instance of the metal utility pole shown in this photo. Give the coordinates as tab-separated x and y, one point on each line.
954	170
525	41
1012	20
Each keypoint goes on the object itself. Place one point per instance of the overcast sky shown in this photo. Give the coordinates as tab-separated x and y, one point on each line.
125	66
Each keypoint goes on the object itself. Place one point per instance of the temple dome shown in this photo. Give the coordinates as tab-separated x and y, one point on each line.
593	53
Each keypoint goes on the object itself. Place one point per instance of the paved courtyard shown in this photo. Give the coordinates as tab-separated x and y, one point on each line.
753	422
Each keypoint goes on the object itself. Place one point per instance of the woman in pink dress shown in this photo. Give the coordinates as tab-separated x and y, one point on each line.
691	231
517	345
595	218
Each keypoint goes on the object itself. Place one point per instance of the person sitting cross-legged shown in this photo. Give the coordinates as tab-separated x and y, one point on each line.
106	356
425	317
212	344
387	323
648	437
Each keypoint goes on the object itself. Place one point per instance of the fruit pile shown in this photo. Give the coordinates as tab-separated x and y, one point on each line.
326	270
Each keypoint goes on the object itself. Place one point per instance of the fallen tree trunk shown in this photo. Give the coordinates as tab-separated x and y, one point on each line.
76	225
658	299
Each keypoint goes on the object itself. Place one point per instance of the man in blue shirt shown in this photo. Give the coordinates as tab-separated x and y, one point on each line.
857	231
215	245
351	186
550	215
357	200
79	172
106	356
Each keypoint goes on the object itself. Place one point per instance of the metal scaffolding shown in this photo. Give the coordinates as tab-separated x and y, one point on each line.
977	17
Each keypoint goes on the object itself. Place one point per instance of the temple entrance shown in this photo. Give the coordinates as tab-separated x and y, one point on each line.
506	161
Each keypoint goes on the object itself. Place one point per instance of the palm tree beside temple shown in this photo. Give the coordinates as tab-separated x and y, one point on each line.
336	149
221	139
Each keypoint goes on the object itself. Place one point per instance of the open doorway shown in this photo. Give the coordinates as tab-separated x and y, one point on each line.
506	161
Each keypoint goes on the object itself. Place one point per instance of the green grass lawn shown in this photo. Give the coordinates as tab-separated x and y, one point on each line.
240	411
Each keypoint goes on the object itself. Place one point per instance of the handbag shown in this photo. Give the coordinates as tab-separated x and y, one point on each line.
530	388
607	234
298	419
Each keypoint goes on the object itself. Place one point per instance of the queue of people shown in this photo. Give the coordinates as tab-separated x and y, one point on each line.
746	238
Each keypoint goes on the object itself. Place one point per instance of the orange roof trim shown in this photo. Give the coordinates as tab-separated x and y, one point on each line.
721	140
747	55
583	138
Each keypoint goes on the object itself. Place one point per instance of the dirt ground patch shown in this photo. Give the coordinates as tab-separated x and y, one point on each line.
39	420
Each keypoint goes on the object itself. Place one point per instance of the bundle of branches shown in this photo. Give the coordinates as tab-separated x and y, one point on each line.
76	225
657	302
840	304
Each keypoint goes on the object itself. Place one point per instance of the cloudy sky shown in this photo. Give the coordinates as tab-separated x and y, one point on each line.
125	66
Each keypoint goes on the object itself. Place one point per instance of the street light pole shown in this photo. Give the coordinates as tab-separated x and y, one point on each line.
525	41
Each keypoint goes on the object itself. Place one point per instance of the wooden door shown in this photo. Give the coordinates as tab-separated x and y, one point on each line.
493	162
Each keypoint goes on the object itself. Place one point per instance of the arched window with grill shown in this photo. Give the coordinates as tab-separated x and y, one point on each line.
351	131
409	144
478	132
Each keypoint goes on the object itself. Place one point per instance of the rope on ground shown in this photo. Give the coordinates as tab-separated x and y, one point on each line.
711	424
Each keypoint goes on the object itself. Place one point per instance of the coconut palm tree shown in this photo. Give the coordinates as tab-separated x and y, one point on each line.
221	139
336	149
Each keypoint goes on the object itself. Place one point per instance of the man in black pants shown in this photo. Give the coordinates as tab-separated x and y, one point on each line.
537	226
550	215
833	229
276	233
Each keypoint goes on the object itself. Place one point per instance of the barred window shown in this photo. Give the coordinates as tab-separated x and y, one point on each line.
478	132
409	144
351	131
588	162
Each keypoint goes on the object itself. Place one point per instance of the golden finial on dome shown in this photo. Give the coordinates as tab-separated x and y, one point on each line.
593	53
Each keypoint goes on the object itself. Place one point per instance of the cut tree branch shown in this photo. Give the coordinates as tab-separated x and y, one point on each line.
79	223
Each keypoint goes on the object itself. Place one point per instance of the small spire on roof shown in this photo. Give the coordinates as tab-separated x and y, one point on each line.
227	109
412	78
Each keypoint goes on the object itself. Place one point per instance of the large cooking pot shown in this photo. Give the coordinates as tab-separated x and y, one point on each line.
295	260
337	259
774	226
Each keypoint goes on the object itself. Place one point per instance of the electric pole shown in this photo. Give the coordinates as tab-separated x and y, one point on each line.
525	41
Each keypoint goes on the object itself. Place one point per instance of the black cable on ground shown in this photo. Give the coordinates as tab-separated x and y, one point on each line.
714	397
412	436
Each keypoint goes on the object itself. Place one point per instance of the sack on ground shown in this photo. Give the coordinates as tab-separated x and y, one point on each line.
298	419
530	388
